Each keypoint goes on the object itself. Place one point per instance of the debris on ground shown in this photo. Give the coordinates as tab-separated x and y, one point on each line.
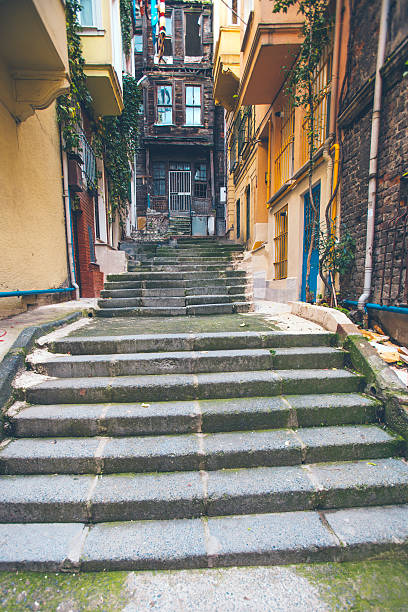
391	352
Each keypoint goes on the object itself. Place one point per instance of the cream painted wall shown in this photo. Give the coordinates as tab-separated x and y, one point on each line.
32	232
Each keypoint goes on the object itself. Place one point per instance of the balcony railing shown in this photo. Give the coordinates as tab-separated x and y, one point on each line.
88	161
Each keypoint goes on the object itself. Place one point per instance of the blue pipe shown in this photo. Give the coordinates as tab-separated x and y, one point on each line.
35	291
399	309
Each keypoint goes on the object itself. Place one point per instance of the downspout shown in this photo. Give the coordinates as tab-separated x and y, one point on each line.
268	190
68	221
335	71
375	133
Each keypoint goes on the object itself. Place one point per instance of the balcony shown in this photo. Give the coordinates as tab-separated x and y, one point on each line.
226	66
33	55
270	42
102	51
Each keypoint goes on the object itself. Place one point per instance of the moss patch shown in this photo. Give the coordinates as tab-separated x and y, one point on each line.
380	585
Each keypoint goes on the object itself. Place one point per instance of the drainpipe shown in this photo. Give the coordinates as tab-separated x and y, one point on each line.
375	133
335	71
68	220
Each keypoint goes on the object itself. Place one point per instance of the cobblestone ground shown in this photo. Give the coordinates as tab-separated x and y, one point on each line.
380	585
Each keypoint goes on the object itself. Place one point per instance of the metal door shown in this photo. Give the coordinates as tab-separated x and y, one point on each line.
308	228
179	191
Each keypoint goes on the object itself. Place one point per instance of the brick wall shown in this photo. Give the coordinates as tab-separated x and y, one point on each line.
393	149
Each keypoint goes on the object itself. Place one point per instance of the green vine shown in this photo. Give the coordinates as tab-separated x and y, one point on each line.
69	105
119	140
114	139
126	10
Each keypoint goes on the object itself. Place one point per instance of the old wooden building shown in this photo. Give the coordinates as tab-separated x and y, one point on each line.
180	164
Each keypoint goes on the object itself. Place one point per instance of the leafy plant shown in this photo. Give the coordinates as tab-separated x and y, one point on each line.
69	105
337	254
126	9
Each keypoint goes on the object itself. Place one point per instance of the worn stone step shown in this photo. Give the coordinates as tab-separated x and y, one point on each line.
149	276
225	298
163	284
211	309
181	267
92	345
142	311
147	302
189	259
236	414
135	293
212	451
128	497
217	290
185	362
254	539
189	386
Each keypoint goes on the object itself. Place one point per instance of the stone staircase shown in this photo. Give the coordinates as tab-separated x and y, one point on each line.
196	277
197	450
179	226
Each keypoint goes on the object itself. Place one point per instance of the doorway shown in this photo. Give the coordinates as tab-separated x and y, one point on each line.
308	228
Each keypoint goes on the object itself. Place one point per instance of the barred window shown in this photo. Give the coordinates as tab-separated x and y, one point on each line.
159	178
281	243
200	181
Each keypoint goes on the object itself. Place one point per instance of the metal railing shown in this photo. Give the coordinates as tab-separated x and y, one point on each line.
284	160
88	160
281	243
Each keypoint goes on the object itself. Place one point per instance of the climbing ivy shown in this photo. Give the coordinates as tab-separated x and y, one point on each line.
114	138
126	10
69	105
118	140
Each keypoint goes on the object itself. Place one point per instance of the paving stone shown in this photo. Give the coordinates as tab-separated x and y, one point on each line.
365	531
247	449
288	537
255	490
333	409
371	483
41	546
343	443
145	545
50	455
151	496
44	498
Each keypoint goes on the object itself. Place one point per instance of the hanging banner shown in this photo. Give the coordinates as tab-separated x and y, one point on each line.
162	28
154	17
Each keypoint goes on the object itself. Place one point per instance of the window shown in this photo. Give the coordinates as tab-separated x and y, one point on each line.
159	178
193	105
248	212
92	256
168	43
281	243
138	43
192	40
200	181
164	105
179	166
87	15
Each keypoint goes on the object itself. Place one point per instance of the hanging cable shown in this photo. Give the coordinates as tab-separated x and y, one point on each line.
234	12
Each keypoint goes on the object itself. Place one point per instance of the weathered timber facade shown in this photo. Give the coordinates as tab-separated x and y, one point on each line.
389	281
180	165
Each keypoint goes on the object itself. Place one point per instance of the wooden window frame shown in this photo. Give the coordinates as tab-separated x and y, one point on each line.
200	14
185	104
156	97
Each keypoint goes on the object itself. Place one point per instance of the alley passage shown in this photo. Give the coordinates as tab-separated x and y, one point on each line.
196	442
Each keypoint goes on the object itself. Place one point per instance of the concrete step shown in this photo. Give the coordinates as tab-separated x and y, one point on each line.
168	387
254	539
142	311
188	259
189	362
102	345
191	267
219	298
165	284
135	293
140	276
129	497
213	451
236	414
148	302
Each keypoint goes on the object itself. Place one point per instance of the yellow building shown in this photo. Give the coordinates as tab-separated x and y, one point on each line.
33	72
36	226
267	200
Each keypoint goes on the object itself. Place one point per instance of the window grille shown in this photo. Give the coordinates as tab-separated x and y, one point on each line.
91	245
200	181
284	159
281	243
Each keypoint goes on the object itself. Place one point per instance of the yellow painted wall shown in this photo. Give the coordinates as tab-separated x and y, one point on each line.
32	232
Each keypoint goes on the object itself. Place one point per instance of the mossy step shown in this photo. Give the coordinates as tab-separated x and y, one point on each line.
189	362
236	414
215	451
92	345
